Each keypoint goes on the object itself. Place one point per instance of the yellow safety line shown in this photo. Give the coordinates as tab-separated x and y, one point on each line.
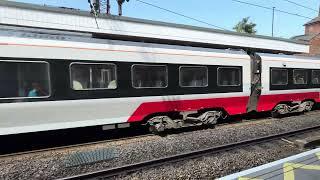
245	178
288	169
288	173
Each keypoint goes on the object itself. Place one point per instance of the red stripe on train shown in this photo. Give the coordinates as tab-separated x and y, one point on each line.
233	105
268	102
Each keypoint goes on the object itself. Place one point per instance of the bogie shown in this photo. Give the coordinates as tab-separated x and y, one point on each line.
292	107
159	124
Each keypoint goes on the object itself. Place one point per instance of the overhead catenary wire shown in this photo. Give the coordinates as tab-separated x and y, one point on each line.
300	5
179	14
271	8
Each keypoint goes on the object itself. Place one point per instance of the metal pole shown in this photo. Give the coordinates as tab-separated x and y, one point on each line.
120	2
108	7
273	8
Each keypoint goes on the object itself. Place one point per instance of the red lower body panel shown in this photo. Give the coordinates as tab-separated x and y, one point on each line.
268	102
233	105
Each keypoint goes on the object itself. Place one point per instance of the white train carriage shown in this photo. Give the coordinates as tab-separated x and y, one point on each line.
56	84
289	83
60	75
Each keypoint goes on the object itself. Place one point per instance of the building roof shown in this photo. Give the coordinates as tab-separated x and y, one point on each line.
82	21
304	38
314	20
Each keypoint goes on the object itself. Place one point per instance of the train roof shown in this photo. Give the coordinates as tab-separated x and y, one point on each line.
133	29
56	35
299	57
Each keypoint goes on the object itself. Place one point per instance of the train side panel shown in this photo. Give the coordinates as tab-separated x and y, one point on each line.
232	105
273	94
70	112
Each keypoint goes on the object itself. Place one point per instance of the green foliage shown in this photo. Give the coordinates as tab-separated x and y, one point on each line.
244	26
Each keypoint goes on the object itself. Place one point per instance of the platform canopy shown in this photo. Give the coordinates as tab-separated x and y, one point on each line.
124	28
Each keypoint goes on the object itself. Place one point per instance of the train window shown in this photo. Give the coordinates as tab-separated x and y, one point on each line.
24	79
229	76
315	76
193	76
93	76
149	76
300	76
279	77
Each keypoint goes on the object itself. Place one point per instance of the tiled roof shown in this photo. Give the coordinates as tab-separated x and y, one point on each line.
304	38
315	20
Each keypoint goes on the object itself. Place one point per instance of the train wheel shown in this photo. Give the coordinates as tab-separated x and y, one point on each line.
159	124
157	128
308	105
275	114
279	110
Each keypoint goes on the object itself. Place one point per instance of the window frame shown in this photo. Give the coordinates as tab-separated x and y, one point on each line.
279	84
240	77
312	71
49	80
167	76
206	67
92	63
306	70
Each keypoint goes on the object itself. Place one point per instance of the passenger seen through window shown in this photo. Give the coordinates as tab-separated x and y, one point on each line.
315	76
300	76
36	90
22	79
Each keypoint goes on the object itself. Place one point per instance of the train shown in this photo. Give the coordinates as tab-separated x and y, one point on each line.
50	83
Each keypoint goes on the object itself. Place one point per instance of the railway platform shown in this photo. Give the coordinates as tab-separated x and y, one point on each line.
304	166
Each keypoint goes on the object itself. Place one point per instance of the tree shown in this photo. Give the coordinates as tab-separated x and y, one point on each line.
120	2
244	26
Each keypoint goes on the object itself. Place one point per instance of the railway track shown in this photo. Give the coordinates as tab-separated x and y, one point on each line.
230	123
122	170
91	143
106	141
73	146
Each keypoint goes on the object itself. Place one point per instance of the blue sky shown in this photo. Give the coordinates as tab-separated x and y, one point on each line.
223	13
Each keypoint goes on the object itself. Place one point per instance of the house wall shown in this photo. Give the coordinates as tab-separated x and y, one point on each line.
312	28
315	46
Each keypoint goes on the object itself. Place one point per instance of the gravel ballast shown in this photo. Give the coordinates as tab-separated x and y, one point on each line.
214	166
222	164
52	164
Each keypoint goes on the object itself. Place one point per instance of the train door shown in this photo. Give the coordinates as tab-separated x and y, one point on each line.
255	85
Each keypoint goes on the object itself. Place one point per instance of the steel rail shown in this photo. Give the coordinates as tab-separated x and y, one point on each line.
102	141
74	145
130	138
117	139
116	171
